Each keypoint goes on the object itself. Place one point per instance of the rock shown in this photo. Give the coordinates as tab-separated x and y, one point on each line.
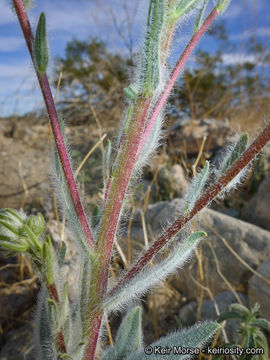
172	182
257	210
249	242
187	135
14	300
223	301
188	313
19	344
259	290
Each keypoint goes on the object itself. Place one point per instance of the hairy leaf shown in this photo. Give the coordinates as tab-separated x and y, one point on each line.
199	18
128	338
41	50
150	66
184	7
148	278
263	323
194	337
241	309
196	188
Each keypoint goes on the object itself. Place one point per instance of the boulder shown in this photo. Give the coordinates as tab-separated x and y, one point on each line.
257	210
259	289
228	238
172	182
209	311
20	343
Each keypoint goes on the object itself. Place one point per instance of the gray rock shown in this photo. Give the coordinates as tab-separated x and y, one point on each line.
20	344
188	314
173	181
257	210
14	301
259	290
249	242
223	301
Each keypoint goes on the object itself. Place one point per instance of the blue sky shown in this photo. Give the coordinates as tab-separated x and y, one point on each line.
67	19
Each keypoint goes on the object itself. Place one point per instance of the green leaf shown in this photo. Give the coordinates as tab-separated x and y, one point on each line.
249	343
148	278
183	8
53	313
45	344
150	64
84	281
28	4
194	337
62	254
263	323
237	151
261	342
196	188
230	315
48	256
256	310
199	18
41	50
13	246
240	309
66	200
129	336
36	223
222	5
10	227
132	91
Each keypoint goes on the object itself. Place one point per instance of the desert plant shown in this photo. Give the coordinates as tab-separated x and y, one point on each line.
250	332
72	332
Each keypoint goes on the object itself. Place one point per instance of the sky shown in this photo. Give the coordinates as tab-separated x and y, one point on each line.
119	23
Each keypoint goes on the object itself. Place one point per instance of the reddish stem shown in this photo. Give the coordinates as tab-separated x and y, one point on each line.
59	141
53	293
175	73
119	183
203	201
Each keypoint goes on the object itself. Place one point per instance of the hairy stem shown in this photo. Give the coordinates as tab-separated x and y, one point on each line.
59	141
203	201
117	191
121	177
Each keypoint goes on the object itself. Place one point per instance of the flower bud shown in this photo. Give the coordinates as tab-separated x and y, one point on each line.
12	235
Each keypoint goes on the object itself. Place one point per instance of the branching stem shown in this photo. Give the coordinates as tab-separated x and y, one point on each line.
203	201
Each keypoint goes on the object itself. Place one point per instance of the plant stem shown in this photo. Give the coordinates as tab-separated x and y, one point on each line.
119	182
202	202
117	191
59	140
